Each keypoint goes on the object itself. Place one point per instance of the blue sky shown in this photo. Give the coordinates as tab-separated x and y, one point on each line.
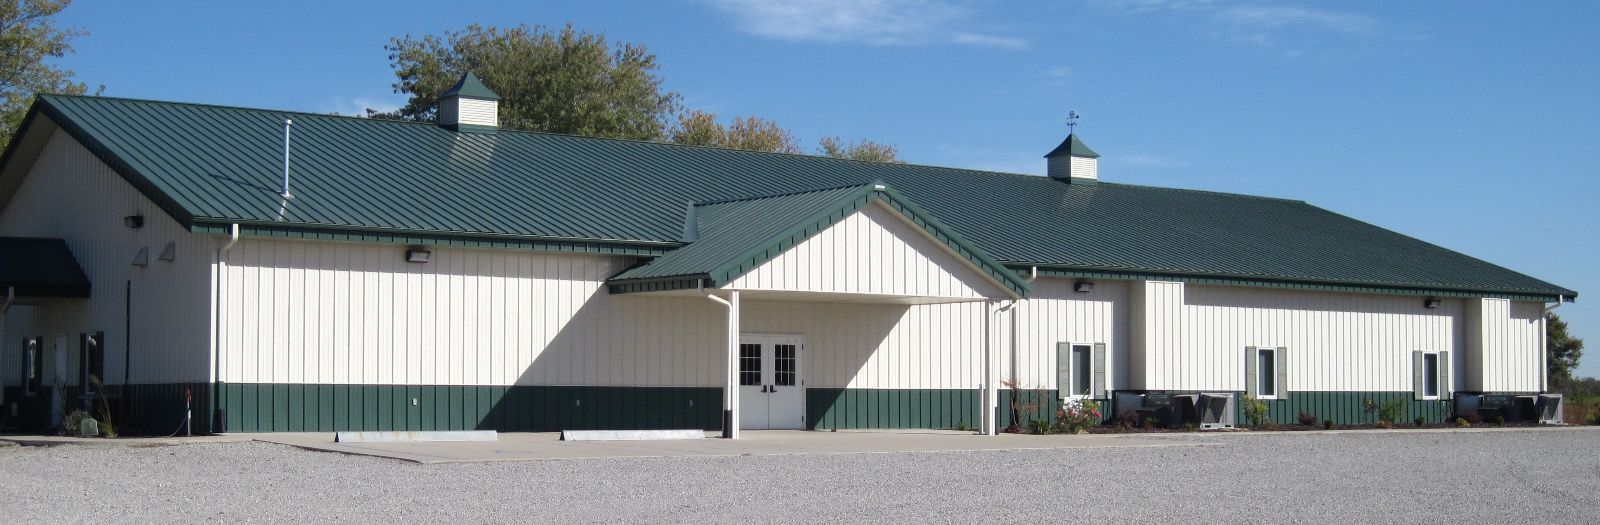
1469	124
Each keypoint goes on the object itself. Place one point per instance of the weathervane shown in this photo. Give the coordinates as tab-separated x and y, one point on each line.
1072	122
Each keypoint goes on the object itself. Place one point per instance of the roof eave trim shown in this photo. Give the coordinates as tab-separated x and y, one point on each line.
1300	284
432	238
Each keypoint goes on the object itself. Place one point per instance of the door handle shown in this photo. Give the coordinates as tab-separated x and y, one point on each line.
773	389
763	389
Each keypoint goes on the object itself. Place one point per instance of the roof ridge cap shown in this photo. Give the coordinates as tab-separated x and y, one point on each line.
776	195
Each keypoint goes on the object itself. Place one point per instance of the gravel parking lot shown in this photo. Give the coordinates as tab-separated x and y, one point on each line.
1488	477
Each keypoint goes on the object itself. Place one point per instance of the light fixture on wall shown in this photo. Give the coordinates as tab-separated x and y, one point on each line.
133	221
1083	286
1431	302
418	255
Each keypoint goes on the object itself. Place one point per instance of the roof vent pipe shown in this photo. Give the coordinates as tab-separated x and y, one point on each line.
286	194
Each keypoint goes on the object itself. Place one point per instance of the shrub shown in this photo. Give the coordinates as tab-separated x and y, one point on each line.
1421	421
1076	416
1040	426
1391	411
1327	424
1472	417
1307	419
1500	420
962	426
1188	427
72	425
1255	411
1594	418
1462	422
1385	424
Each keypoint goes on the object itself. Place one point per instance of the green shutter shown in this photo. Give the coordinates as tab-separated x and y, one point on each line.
1063	369
1099	386
1417	385
1250	371
1444	375
1281	360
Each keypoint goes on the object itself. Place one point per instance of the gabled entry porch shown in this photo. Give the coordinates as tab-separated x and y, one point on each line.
835	289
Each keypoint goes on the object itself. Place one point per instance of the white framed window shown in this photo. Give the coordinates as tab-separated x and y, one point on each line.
1081	367
1267	364
1430	375
1080	370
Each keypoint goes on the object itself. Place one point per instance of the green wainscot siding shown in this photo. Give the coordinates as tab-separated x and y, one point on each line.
848	408
330	408
1349	408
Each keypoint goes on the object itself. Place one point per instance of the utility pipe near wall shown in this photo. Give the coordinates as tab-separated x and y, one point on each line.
218	423
5	307
730	390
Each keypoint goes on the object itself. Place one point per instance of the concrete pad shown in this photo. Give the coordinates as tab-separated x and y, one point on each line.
630	435
416	437
548	446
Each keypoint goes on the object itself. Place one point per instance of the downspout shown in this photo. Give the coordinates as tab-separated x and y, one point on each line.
730	390
1016	368
219	423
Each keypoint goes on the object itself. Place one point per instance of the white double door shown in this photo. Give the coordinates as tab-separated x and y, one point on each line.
771	391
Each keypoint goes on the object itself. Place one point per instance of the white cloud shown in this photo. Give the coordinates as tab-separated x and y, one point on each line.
873	22
1283	28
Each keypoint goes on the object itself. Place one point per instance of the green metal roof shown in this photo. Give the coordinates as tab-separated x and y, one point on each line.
40	268
1072	146
469	86
732	237
377	180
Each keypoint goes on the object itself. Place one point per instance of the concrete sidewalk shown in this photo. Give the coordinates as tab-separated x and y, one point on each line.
546	446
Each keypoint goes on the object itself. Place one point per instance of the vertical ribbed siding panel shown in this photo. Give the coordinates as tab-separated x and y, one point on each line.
1509	354
871	251
314	312
1341	342
877	346
1055	313
70	194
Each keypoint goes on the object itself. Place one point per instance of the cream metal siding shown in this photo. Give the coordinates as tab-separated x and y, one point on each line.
1505	346
1055	313
312	312
70	194
873	251
879	346
1195	336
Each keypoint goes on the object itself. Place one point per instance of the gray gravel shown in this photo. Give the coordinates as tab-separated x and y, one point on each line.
1500	477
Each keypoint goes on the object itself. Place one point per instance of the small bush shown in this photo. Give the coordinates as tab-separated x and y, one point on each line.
1327	424
1421	421
962	426
1594	418
1391	411
1188	427
1255	411
1500	420
1040	426
1076	416
1307	419
1472	417
1462	422
1385	424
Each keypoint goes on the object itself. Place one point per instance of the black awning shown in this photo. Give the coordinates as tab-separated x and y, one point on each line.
40	268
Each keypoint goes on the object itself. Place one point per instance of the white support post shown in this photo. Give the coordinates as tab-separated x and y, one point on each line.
991	390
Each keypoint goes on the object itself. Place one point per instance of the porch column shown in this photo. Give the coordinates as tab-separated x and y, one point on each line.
991	390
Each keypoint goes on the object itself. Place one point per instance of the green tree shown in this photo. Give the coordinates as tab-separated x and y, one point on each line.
1562	350
28	36
863	150
563	81
699	128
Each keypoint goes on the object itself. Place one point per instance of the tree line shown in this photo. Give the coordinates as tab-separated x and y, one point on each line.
575	82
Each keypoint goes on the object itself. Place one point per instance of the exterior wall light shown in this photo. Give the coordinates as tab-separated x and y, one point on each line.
418	255
1083	286
1431	302
133	221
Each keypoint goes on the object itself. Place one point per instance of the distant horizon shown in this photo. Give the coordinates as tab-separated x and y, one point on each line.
1469	129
